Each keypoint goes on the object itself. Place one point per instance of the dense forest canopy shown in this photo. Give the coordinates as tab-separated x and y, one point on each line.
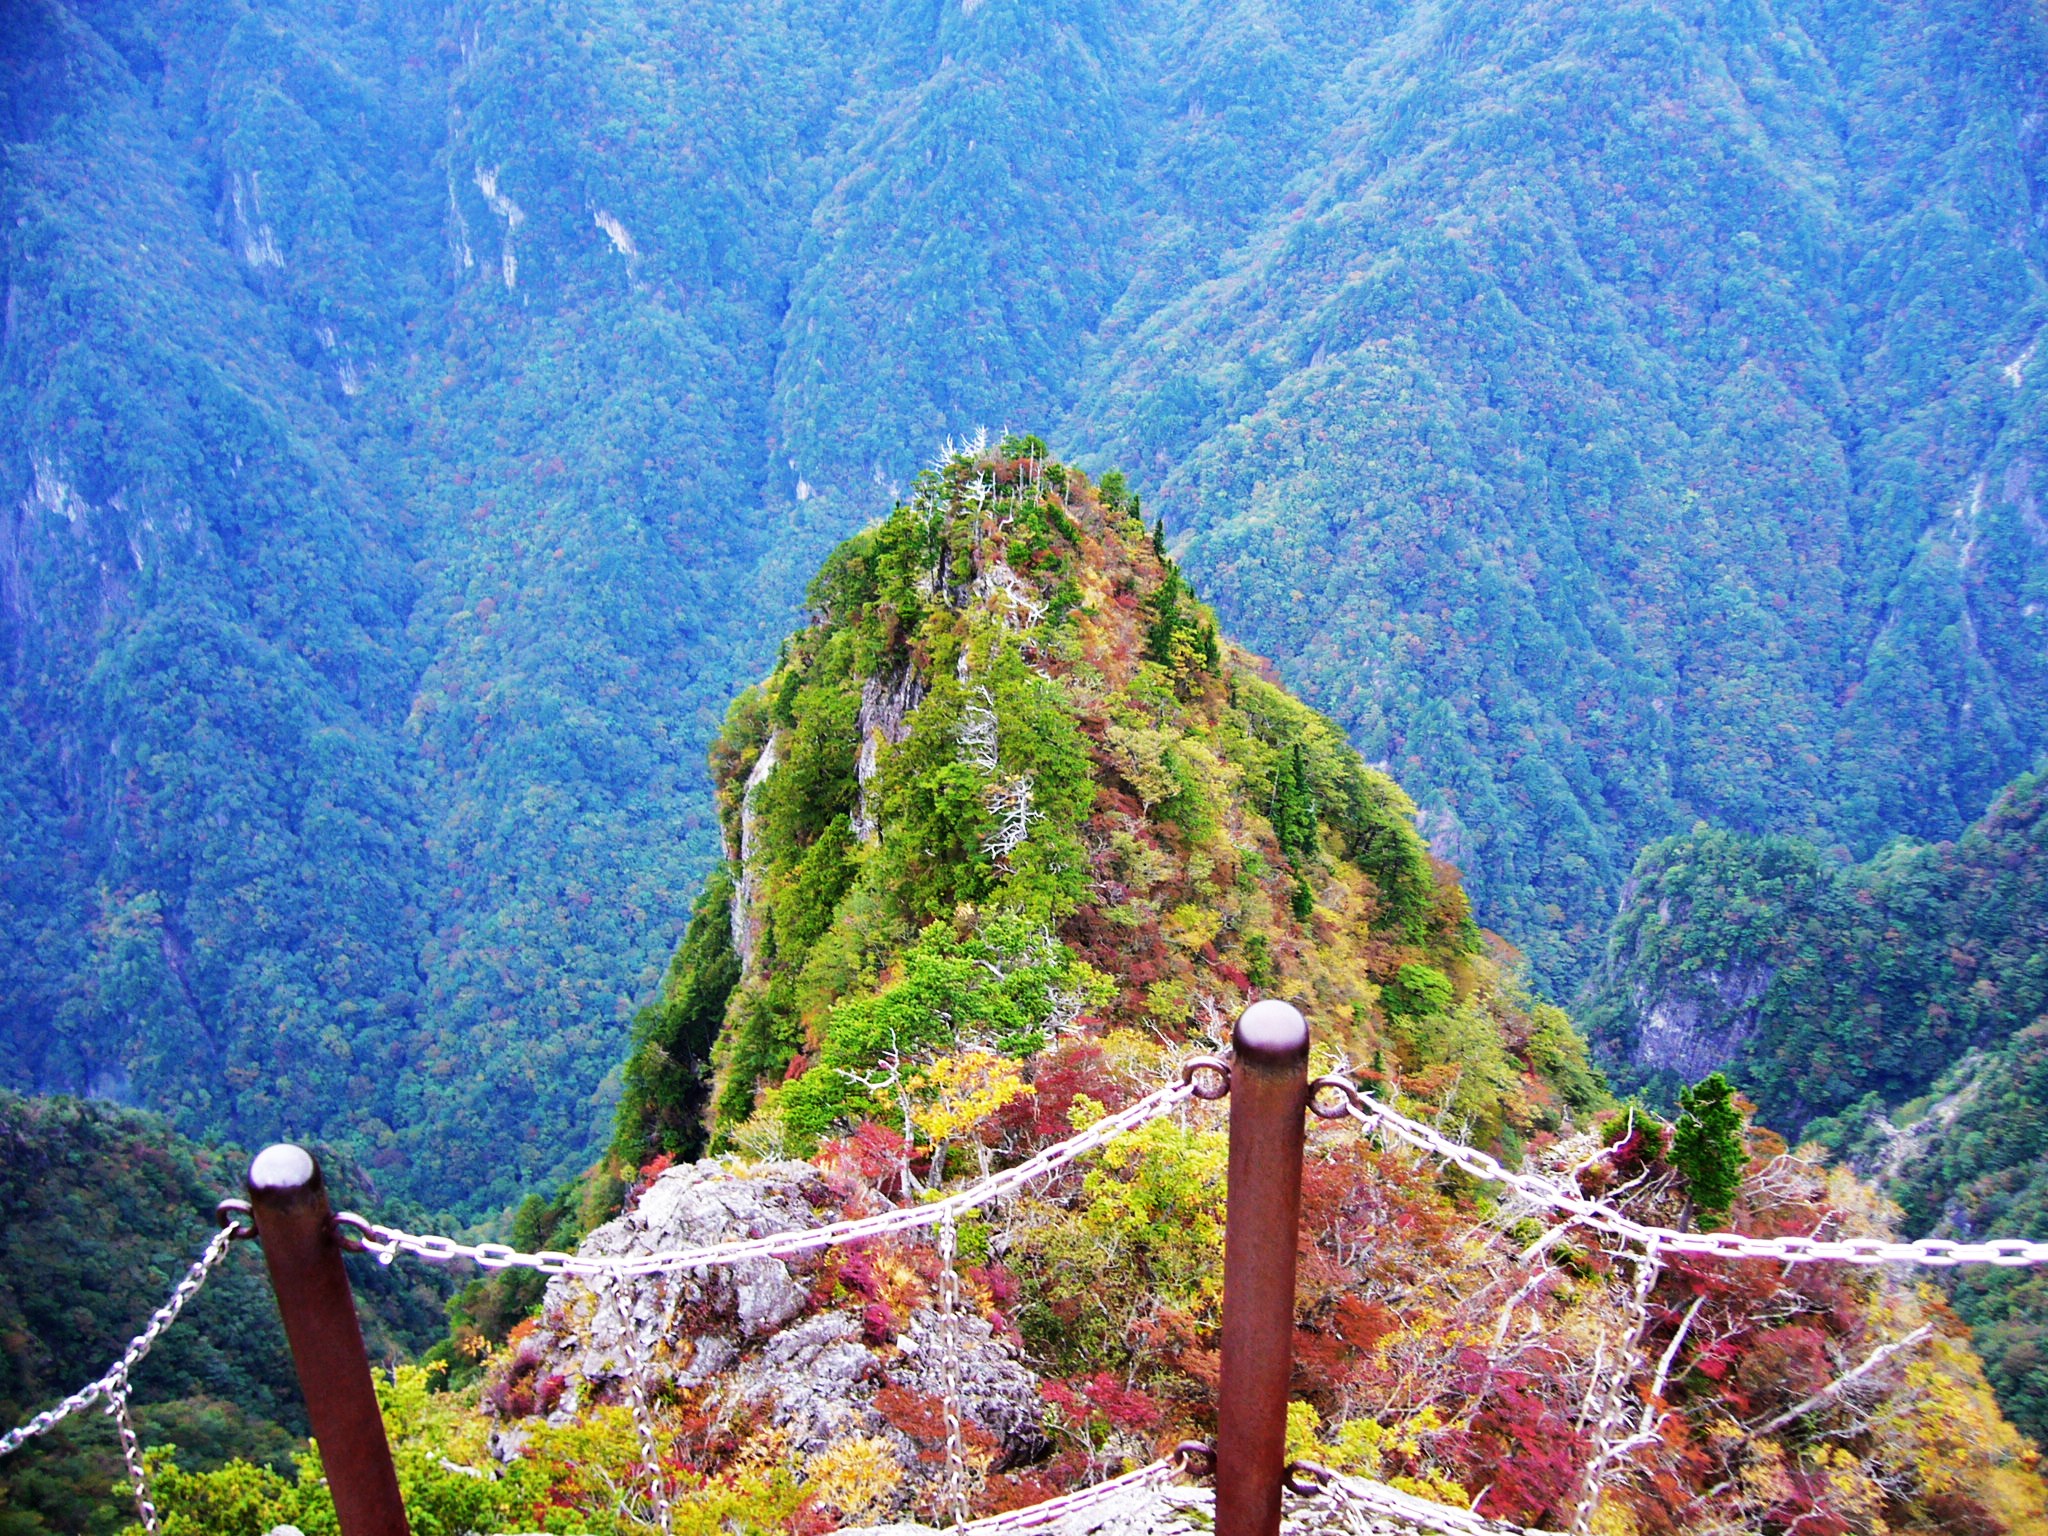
415	424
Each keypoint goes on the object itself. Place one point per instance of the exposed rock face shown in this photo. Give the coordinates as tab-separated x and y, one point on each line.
764	1340
886	703
745	933
1695	1031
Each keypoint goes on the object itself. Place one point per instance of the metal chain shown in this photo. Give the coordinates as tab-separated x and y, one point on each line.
131	1453
138	1347
1054	1511
1936	1252
1369	1503
643	1412
388	1242
949	1374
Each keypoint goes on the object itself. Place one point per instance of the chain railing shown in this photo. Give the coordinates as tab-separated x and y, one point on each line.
955	1492
1935	1252
1332	1097
112	1387
131	1455
643	1407
1371	1503
387	1242
357	1233
1189	1458
115	1382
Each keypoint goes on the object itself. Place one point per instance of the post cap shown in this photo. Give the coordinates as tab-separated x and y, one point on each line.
1271	1031
283	1169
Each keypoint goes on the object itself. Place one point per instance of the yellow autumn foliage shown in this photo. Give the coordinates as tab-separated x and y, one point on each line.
956	1093
857	1476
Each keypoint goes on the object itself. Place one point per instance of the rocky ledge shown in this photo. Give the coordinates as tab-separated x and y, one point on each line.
825	1346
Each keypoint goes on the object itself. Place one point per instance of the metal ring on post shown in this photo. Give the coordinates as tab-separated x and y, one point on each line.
240	1215
351	1230
1215	1064
1307	1478
1195	1457
1348	1096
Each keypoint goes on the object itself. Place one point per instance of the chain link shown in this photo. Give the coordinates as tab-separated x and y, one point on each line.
1369	1503
131	1453
949	1374
643	1411
388	1242
138	1347
1936	1252
1054	1511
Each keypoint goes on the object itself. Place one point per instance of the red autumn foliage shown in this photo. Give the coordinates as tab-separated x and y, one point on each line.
1779	1367
873	1154
1001	1285
877	1323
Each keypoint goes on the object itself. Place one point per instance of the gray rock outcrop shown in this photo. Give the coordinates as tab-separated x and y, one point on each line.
772	1340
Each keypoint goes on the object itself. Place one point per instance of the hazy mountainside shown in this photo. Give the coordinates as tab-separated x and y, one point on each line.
1819	984
1016	829
1627	420
101	1210
369	563
1904	1000
413	425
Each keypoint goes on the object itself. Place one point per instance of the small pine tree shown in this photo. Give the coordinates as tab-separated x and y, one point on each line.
1294	806
1167	619
1159	538
1706	1146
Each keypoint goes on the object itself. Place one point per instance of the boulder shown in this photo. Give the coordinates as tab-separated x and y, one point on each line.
772	1341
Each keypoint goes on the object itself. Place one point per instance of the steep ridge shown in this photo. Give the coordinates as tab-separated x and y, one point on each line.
1013	751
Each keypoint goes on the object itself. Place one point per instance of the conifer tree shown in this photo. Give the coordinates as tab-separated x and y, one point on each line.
1166	618
1706	1146
1294	806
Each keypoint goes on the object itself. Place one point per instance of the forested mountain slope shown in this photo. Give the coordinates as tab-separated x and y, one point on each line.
101	1210
1823	984
1628	419
1894	1009
412	426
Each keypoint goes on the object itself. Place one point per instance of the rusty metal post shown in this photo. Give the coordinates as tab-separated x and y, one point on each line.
1268	1105
296	1227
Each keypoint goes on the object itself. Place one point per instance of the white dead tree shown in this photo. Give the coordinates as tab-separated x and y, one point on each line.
1019	605
1605	1410
976	732
1010	797
892	1075
1012	803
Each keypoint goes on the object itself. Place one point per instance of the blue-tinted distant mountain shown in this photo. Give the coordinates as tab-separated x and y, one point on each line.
414	425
